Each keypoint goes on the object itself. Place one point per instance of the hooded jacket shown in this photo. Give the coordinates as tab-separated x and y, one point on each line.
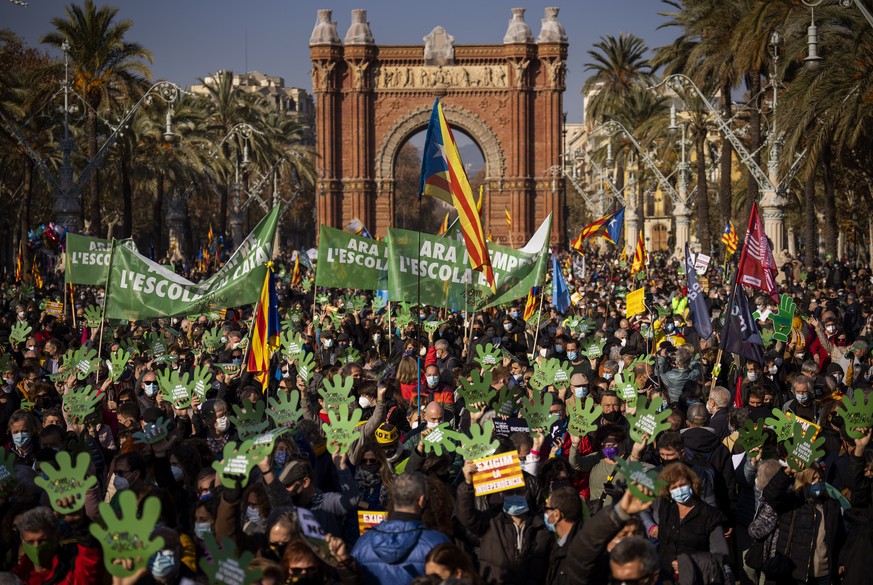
706	448
394	551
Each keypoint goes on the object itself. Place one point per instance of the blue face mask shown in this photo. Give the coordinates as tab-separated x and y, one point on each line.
572	355
21	440
580	391
549	526
162	564
515	505
681	494
817	489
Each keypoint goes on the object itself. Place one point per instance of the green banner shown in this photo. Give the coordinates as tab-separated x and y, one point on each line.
142	289
436	271
87	259
349	261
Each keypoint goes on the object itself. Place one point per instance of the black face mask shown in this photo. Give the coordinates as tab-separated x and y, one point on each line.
613	416
757	413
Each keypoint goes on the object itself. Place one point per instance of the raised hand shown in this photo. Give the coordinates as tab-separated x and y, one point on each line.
126	539
67	484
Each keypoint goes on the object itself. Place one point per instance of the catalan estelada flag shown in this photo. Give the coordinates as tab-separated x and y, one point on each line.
530	307
639	263
444	227
210	236
443	176
265	330
609	227
295	274
729	238
19	262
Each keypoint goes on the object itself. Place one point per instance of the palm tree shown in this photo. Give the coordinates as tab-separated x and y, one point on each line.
104	66
618	67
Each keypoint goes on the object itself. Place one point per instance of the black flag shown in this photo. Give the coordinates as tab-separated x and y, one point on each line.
740	334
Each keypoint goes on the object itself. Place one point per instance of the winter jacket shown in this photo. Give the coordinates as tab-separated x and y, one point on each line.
806	515
508	553
587	560
559	574
80	568
858	550
706	448
674	380
393	552
700	531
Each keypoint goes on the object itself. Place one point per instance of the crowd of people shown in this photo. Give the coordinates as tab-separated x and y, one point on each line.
722	515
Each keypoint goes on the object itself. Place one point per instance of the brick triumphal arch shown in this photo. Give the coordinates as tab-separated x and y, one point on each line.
507	97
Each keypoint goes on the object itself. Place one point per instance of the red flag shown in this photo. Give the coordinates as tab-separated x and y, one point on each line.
265	332
757	265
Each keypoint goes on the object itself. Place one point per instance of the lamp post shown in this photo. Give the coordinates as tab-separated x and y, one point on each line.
244	131
596	205
813	59
682	212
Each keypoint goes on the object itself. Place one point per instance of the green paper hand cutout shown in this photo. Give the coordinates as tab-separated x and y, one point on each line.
358	303
637	478
544	374
337	392
626	387
348	302
306	366
767	336
7	472
783	425
337	319
222	565
342	430
19	332
212	339
488	356
66	481
580	326
752	436
648	421
152	432
4	364
438	439
80	403
156	344
130	346
647	359
802	449
292	345
322	299
504	403
561	376
229	369
235	465
536	413
350	356
781	318
478	445
477	392
83	361
432	326
175	388
199	384
285	411
118	363
250	422
126	536
262	446
583	417
593	348
93	316
858	415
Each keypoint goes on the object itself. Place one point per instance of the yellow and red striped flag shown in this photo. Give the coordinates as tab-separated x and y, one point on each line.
609	227
443	176
210	237
530	307
639	263
729	238
295	274
37	277
479	201
508	218
19	262
444	227
265	330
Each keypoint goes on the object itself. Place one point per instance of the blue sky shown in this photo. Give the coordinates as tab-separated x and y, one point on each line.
193	38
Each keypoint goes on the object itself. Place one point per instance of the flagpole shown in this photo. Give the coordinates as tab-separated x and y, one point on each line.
103	313
72	305
718	356
539	316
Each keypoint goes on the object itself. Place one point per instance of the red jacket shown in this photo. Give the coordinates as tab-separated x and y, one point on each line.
409	390
87	567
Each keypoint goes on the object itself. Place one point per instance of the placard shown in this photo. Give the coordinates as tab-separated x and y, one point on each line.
497	473
701	263
367	519
54	308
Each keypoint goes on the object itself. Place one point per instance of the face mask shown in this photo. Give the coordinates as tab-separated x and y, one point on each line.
432	425
610	452
513	314
612	416
831	329
422	352
515	505
162	564
422	316
544	351
571	355
622	341
817	489
549	526
802	398
364	402
608	376
507	326
773	370
253	514
799	355
178	474
286	374
150	388
120	483
670	328
40	555
432	381
21	440
377	338
559	348
221	423
201	529
681	494
328	343
580	391
752	376
9	381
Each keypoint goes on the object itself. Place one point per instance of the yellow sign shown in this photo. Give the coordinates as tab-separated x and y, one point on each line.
497	473
55	308
636	302
367	519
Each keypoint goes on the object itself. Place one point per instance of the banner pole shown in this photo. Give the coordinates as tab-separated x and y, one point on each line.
73	305
718	357
103	313
539	316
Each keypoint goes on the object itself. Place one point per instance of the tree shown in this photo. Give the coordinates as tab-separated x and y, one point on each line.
104	66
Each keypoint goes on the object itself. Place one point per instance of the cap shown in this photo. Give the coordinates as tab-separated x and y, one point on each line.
294	471
387	434
859	345
342	336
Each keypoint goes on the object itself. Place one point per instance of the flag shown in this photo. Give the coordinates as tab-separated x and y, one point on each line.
19	262
210	236
489	237
729	238
530	307
757	265
443	176
37	277
265	330
609	227
295	274
560	292
305	260
479	201
508	218
639	263
696	300
444	227
740	334
357	227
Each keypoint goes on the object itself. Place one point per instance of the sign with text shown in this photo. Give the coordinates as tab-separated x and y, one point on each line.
368	519
497	473
701	263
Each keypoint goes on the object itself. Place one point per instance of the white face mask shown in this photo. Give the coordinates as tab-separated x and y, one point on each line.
831	329
253	514
202	529
773	370
753	376
364	402
622	341
328	343
432	381
607	376
544	352
377	338
423	352
432	425
221	423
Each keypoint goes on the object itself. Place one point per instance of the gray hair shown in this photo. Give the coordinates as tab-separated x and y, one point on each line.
720	396
798	380
38	520
637	548
683	357
441	344
408	488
